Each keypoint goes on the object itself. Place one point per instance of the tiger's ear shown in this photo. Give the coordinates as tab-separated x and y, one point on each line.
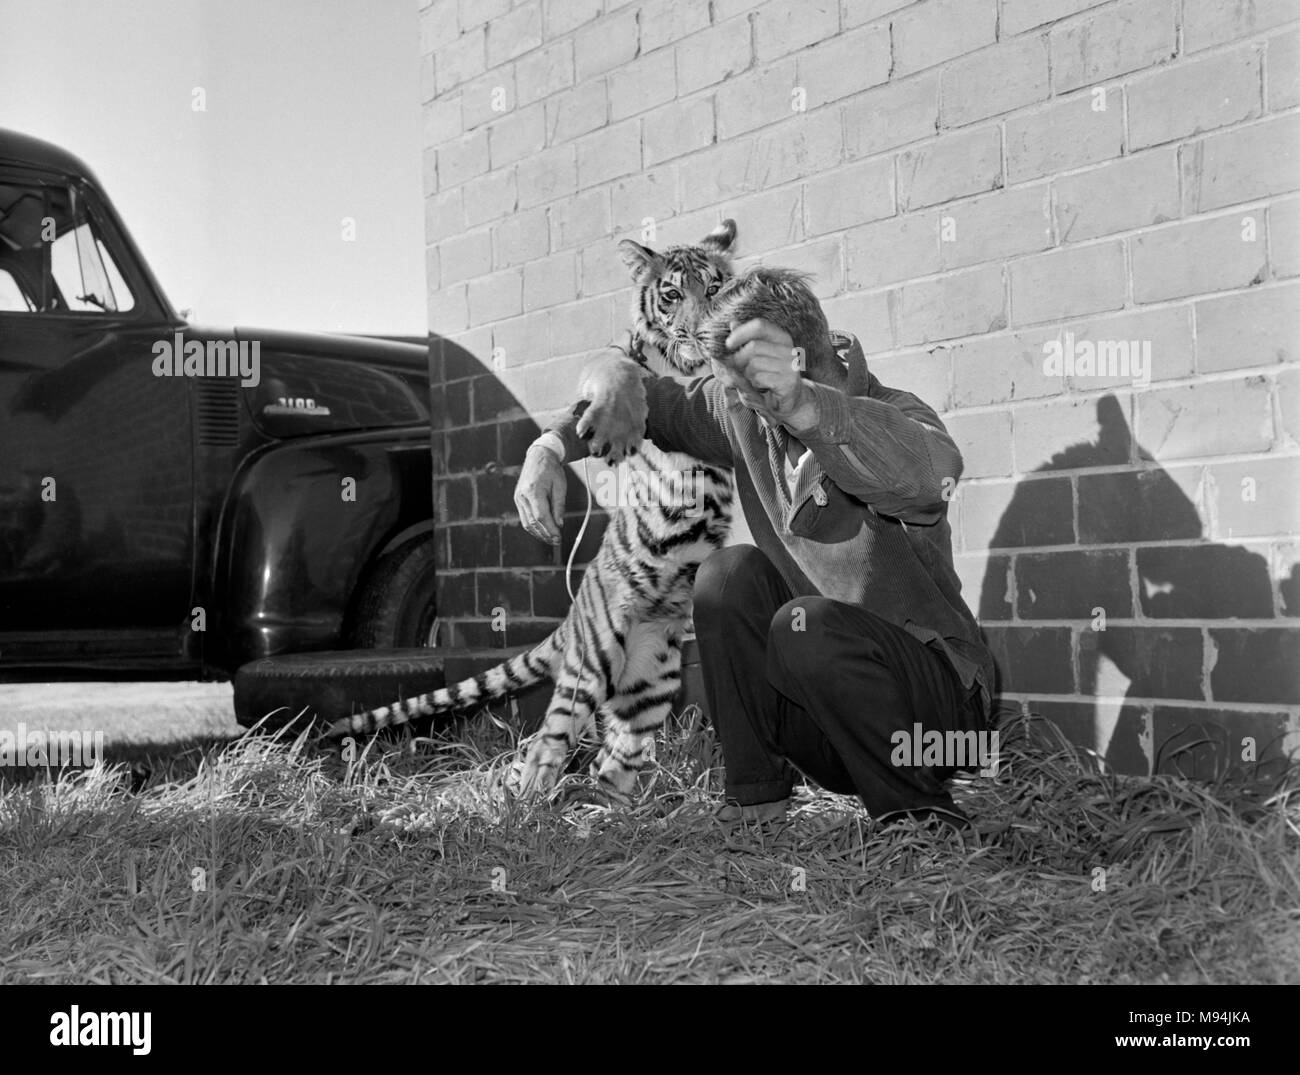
640	260
720	238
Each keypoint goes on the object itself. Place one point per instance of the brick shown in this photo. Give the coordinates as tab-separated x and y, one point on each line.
1069	585
579	111
455	593
1120	733
993	81
1002	368
550	174
550	281
1152	504
463	256
676	129
755	99
890	116
645	194
1158	662
868	318
1021	15
442	121
1287	573
517	135
642	84
856	12
666	21
995	227
1068	283
1160	339
1029	513
823	259
1255	328
1284	238
474	544
600	269
460	60
471	13
785	26
432	273
544	72
1195	258
487	98
1241	165
510	591
985	585
444	215
579	220
846	65
900	248
489	197
773	218
1032	660
582	326
428	80
1288	403
514	34
522	237
1255	665
1207	744
1255	498
605	44
849	196
493	401
438	25
951	167
1130	36
1209	418
984	440
1064	136
609	153
1207	23
711	56
521	340
449	309
562	16
940	30
802	146
1132	192
470	449
462	159
1187	98
1203	582
1282	70
1073	432
492	298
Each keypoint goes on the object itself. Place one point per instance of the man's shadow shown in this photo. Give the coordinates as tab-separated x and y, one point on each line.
1134	670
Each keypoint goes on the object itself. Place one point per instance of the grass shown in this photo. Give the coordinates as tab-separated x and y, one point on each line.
268	860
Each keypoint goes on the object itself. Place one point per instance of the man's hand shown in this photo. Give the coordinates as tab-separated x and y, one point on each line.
615	421
539	494
763	369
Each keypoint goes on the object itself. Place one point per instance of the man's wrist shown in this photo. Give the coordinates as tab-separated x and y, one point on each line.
806	414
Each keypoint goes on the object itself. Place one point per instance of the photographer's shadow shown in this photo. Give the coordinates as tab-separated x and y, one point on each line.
1137	594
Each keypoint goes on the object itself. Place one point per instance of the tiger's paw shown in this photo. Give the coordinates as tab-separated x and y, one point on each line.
538	771
614	423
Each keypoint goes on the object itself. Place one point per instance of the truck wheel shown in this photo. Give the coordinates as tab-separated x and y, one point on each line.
397	604
330	685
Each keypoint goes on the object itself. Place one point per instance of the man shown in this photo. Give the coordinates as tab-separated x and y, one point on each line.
846	624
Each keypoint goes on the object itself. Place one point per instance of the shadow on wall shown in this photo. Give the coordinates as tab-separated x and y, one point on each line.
1130	633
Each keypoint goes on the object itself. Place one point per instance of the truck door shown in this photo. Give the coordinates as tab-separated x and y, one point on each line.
96	483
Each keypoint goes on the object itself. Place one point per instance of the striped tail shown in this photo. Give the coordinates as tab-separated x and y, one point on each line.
506	678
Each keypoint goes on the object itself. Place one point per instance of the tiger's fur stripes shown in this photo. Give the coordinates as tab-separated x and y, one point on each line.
617	654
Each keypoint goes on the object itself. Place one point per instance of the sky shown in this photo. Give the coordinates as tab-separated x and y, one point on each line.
312	118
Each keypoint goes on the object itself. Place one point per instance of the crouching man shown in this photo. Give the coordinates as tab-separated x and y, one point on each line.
846	624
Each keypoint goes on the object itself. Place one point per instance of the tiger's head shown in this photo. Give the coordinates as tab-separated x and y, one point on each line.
674	290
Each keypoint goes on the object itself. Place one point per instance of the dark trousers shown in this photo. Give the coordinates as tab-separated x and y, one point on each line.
825	698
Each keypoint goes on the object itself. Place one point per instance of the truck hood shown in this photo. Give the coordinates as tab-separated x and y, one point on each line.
311	383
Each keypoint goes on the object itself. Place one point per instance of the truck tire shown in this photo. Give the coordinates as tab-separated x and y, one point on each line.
396	606
297	688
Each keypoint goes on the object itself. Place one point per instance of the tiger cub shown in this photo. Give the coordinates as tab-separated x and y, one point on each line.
617	654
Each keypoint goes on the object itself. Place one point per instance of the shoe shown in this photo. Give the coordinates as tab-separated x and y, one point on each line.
733	814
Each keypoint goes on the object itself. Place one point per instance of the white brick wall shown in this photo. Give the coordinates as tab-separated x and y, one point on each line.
968	179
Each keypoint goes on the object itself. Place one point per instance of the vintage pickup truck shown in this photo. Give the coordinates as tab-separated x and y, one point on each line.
177	501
